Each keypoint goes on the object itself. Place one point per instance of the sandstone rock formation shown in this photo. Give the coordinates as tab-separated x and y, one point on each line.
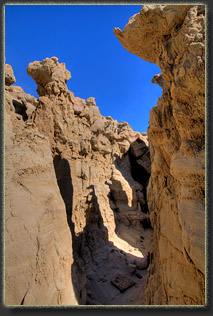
77	206
71	172
9	75
38	245
173	37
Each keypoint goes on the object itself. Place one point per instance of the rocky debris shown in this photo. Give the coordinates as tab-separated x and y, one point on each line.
173	37
122	282
93	176
9	75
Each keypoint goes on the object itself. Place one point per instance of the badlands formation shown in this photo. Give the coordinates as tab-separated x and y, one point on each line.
95	213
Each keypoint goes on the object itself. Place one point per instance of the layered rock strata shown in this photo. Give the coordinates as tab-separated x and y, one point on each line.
173	37
72	177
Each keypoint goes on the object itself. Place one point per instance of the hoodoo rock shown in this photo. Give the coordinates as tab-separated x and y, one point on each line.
173	37
50	76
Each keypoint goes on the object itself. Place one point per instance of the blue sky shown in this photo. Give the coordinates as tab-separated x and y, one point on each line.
82	37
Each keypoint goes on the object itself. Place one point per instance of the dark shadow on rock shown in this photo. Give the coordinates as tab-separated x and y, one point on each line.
20	108
94	234
97	253
91	247
93	237
127	219
64	180
91	276
139	158
139	173
138	152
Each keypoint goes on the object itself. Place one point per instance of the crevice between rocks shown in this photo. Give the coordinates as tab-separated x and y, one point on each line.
96	258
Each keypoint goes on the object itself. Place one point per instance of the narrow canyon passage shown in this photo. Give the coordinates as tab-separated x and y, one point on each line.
99	174
111	268
96	213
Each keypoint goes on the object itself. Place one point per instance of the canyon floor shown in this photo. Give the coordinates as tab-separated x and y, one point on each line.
129	244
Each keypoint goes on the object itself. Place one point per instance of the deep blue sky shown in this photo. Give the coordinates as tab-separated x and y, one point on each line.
82	37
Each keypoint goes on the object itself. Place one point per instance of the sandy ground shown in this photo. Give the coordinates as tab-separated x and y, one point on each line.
125	253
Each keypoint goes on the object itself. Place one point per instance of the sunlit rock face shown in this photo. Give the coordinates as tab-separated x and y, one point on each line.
76	205
38	245
173	37
9	75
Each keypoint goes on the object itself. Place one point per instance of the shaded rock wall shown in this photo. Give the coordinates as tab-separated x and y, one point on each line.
84	187
173	37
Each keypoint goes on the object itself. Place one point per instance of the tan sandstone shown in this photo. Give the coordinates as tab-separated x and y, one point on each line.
77	208
38	245
75	197
173	37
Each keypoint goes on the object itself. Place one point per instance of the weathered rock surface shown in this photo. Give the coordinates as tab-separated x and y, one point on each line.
173	37
50	76
87	161
9	75
38	245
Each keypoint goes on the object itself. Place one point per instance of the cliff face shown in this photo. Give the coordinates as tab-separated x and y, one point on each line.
38	245
173	37
77	228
